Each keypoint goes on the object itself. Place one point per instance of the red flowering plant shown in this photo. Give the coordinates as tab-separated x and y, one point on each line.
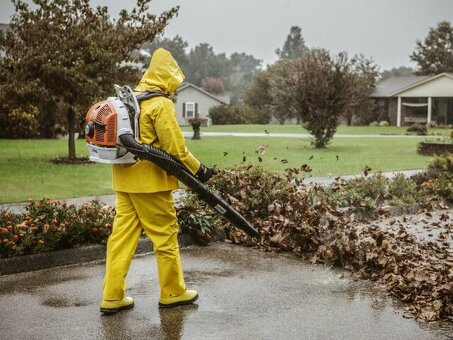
52	225
8	234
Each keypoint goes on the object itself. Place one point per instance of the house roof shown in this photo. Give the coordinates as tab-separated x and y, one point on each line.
387	87
394	85
187	85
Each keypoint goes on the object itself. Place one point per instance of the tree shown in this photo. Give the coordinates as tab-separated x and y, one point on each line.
294	46
321	88
177	47
435	54
66	54
213	85
243	68
202	63
402	71
281	92
258	96
364	75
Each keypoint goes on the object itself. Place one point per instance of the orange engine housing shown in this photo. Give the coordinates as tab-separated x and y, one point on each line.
104	117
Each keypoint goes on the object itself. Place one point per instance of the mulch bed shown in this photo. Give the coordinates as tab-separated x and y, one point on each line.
75	161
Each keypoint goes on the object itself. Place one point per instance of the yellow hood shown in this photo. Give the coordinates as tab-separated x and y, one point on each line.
163	74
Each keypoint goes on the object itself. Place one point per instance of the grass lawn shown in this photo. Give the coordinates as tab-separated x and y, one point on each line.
27	172
353	154
294	128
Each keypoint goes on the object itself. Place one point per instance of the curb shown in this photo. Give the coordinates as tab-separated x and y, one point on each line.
57	258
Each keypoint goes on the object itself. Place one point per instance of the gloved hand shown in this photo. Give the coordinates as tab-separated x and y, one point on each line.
204	173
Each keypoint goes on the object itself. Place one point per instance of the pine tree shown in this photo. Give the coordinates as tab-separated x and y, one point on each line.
435	54
294	46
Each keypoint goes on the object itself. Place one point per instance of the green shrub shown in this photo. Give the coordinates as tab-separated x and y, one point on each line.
196	223
375	123
402	191
418	129
237	114
430	147
440	177
384	123
363	194
442	165
20	123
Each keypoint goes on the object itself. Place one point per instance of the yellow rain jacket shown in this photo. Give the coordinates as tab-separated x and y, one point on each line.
158	127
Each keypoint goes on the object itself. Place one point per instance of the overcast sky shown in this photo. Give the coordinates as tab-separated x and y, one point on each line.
385	30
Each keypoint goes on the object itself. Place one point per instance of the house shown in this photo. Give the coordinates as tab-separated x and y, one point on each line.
194	102
416	99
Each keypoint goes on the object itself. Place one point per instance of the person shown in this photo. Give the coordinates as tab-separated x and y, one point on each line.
144	198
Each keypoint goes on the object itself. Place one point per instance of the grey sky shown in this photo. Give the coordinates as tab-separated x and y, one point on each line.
385	30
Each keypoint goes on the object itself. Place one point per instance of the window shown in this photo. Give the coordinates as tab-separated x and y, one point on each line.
189	111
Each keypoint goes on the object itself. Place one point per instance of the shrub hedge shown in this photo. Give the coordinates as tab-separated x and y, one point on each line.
52	225
238	114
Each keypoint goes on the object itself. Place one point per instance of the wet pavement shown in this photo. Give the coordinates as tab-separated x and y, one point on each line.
244	294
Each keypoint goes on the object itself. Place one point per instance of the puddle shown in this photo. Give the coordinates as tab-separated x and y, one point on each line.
35	280
63	302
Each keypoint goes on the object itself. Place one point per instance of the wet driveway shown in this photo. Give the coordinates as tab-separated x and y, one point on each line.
244	294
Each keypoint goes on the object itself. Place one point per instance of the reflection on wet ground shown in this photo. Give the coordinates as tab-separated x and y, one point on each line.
428	226
244	294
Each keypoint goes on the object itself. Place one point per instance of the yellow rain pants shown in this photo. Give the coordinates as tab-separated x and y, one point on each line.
155	214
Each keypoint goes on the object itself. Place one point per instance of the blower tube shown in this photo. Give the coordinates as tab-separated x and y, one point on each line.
174	168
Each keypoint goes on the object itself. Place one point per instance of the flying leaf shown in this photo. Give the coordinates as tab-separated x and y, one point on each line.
306	168
261	149
366	170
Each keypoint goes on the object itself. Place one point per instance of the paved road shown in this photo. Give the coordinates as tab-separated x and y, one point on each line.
244	294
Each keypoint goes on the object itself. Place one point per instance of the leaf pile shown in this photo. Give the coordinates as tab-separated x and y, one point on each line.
297	218
416	271
284	214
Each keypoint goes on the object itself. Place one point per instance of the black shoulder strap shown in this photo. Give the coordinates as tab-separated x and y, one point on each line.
150	94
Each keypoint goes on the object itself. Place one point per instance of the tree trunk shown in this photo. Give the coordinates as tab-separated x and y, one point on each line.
349	118
47	121
71	133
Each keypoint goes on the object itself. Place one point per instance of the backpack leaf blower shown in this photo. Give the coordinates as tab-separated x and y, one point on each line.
112	139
